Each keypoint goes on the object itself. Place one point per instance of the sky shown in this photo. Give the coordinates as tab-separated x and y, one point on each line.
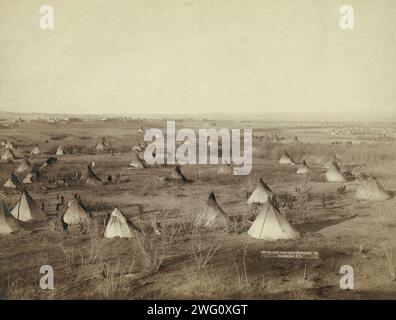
195	56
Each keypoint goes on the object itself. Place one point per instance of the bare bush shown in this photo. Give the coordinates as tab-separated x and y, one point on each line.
202	255
154	245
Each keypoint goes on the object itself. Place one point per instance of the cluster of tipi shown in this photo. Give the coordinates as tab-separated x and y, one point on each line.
27	211
370	189
269	223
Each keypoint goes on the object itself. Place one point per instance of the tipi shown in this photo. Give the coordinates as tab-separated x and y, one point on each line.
285	159
30	177
333	173
36	151
118	226
225	169
136	162
75	212
372	190
13	183
137	148
60	150
211	215
9	184
303	168
91	178
8	155
178	175
271	225
261	194
100	146
8	224
24	166
335	158
27	209
10	145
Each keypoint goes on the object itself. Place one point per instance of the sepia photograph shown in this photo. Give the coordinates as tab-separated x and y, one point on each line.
170	150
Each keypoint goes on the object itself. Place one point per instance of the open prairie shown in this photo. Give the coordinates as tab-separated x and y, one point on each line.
169	257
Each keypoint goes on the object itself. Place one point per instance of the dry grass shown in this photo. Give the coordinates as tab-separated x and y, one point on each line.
179	261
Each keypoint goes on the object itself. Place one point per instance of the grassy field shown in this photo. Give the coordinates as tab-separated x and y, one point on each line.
204	264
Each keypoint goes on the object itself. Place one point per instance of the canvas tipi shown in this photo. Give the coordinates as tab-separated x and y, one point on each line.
36	151
371	190
30	177
271	225
303	168
211	215
261	194
225	169
333	173
27	209
10	145
8	224
76	213
178	175
60	150
91	178
285	159
136	162
100	146
13	183
8	155
24	166
9	184
334	159
118	226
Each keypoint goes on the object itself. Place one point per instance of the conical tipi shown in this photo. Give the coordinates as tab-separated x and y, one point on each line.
118	226
371	190
333	174
13	183
136	162
285	159
100	146
334	159
10	145
8	224
9	184
60	151
36	151
211	215
24	166
261	194
91	178
137	148
178	175
225	169
27	209
8	155
271	225
75	212
30	177
303	168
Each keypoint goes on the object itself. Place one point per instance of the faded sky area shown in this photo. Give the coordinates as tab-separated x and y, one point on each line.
190	56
